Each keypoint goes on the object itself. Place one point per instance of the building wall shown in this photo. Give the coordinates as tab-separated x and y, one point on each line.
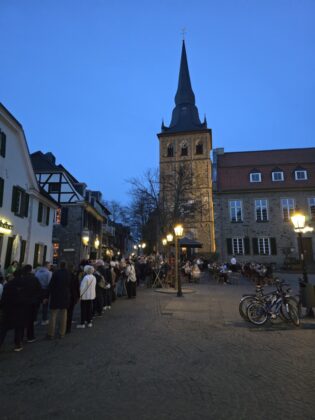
16	170
69	236
201	226
275	227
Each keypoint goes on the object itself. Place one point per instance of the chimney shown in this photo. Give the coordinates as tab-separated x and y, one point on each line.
51	158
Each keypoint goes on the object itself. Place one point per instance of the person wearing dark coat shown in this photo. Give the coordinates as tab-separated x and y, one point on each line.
14	304
74	296
34	295
59	294
105	270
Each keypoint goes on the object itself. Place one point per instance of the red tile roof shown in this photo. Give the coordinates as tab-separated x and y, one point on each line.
233	169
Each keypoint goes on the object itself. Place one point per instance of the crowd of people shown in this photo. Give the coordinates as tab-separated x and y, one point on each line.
47	295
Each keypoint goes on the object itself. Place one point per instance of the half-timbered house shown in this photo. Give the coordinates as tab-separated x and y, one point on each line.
78	228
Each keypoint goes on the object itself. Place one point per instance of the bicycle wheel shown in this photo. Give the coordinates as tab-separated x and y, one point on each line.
256	313
244	303
293	314
284	314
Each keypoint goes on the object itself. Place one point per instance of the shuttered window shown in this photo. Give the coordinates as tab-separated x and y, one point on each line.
3	143
36	256
1	191
47	215
40	212
264	246
20	202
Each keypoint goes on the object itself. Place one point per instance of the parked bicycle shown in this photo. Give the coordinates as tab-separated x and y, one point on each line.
269	299
275	304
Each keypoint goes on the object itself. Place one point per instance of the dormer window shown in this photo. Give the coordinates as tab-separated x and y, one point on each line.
199	148
300	175
255	177
170	150
184	150
277	176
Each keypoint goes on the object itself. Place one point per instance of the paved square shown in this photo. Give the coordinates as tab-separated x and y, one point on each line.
163	357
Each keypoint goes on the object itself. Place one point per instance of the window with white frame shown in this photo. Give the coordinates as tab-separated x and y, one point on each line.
238	246
261	210
277	176
300	175
255	177
236	214
311	204
288	208
264	246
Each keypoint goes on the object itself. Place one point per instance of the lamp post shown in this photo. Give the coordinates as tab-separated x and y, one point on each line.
178	229
298	220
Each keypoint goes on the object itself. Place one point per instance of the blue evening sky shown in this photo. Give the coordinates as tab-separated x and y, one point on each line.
90	80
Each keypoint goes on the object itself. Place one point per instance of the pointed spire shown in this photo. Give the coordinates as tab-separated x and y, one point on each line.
185	116
184	92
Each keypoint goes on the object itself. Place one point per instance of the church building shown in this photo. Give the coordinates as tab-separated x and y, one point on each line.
185	166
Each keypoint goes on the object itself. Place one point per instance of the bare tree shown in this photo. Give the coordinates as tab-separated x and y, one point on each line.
161	200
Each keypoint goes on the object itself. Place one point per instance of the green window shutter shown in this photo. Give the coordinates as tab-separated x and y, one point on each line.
40	212
36	251
44	254
273	246
255	246
247	245
26	204
22	253
3	139
14	204
1	191
229	246
47	216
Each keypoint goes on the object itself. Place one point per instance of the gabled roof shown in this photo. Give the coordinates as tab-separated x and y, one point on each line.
10	120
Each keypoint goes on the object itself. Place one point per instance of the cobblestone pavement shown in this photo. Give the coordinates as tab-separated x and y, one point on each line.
163	357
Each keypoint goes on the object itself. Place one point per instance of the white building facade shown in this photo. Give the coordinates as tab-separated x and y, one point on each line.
26	214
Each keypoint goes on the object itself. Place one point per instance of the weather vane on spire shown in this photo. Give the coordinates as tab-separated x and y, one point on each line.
184	33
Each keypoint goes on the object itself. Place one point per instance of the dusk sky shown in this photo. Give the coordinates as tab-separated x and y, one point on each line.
91	80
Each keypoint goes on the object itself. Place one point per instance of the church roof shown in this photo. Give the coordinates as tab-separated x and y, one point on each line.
185	116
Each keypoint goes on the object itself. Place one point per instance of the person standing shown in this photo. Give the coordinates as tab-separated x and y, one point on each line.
14	303
87	295
74	296
131	280
59	293
34	293
44	275
233	264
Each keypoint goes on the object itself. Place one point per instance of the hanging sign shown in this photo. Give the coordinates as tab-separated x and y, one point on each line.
5	227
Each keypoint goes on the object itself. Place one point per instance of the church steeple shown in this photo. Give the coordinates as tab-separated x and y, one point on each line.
185	116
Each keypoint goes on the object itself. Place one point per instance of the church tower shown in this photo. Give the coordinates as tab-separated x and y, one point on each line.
185	165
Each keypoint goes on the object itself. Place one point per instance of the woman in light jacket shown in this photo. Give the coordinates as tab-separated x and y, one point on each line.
87	295
131	280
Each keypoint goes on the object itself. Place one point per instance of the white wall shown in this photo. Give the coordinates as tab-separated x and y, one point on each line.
16	170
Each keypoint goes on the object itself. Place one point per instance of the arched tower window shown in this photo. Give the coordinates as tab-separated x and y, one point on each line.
170	150
184	149
199	148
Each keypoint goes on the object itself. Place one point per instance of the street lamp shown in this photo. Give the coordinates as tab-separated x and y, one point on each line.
179	230
298	220
169	237
164	241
